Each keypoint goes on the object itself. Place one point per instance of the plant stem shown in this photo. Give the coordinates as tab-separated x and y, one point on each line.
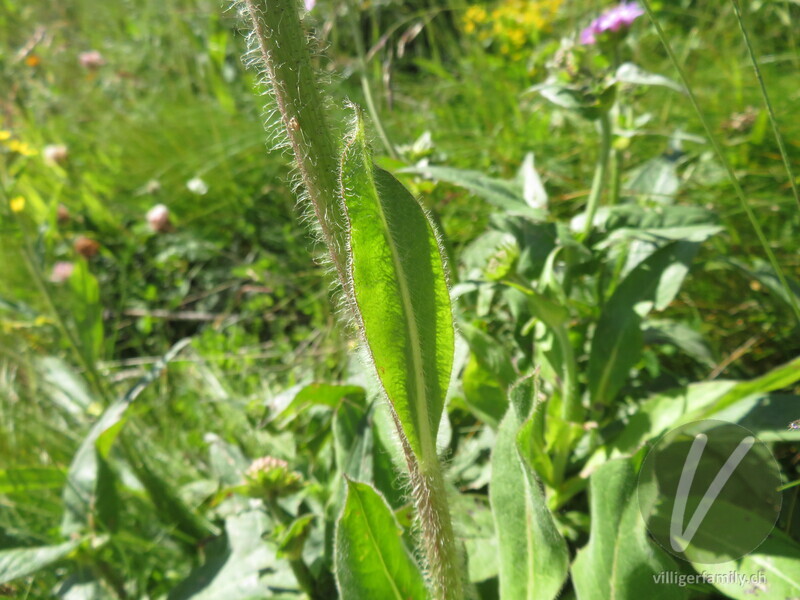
725	163
283	46
600	172
439	544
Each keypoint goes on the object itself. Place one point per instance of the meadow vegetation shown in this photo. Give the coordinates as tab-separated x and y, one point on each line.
184	408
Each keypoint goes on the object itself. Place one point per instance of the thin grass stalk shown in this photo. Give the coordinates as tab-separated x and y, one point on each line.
767	102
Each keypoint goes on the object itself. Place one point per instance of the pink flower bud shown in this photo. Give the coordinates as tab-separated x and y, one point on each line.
158	218
61	271
91	59
55	154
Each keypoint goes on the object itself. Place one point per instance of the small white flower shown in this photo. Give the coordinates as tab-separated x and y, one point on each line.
197	186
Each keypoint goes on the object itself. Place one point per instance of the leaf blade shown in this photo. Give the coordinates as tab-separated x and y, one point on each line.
370	558
400	290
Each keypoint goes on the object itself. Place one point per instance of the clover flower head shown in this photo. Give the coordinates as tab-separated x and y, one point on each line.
55	154
158	218
91	60
614	19
62	271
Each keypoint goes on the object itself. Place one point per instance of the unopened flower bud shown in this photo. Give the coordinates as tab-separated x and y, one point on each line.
270	477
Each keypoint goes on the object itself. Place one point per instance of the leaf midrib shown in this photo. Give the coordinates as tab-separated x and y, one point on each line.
423	424
375	545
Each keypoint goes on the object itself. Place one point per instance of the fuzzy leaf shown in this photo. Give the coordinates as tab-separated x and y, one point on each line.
619	561
371	560
533	556
400	291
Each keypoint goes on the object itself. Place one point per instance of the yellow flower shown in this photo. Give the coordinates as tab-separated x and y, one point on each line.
17	204
21	148
4	135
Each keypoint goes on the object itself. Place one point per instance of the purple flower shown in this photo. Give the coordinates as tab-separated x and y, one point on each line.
310	4
615	18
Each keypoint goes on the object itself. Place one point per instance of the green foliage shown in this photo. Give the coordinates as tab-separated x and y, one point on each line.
665	309
371	560
400	290
533	555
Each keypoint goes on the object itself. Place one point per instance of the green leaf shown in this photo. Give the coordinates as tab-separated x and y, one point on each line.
619	561
772	569
400	291
656	181
533	556
233	563
483	394
508	196
699	401
617	342
371	560
19	562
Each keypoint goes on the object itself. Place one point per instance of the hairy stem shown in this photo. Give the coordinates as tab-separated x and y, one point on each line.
286	61
441	553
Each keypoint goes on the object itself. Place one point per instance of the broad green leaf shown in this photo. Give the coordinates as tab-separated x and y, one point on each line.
320	394
483	393
698	401
371	560
400	290
619	561
473	519
19	562
617	341
772	570
508	196
533	556
680	335
489	353
26	479
656	181
90	487
234	563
